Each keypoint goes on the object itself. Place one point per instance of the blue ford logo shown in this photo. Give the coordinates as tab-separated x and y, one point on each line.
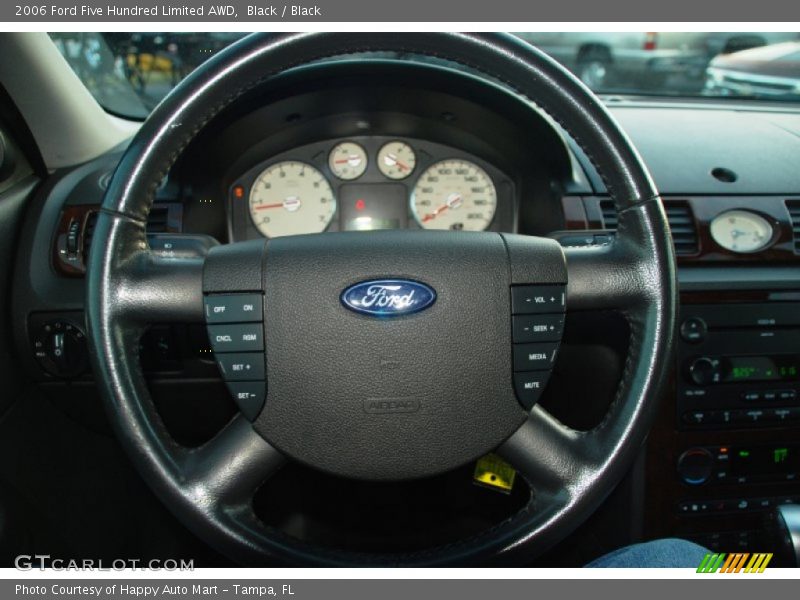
388	297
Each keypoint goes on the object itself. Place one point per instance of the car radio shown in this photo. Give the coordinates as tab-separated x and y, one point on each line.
739	365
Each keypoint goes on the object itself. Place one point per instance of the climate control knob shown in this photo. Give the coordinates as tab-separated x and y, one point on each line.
705	370
695	466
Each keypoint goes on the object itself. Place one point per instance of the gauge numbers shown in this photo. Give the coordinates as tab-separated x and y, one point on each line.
396	160
454	194
347	160
741	231
290	198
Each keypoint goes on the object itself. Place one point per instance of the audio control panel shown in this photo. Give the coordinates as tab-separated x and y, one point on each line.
739	366
537	324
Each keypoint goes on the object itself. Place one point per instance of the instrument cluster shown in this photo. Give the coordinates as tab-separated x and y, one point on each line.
370	183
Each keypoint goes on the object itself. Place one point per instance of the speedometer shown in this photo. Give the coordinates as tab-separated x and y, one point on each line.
454	194
291	198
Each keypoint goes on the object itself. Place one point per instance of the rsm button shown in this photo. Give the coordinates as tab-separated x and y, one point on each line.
243	337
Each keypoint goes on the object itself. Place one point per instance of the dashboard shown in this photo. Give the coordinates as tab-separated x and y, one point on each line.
360	146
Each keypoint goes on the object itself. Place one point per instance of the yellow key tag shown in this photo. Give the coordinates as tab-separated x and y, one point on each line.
493	472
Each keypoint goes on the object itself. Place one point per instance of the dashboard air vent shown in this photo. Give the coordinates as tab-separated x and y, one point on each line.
681	222
609	214
794	215
88	231
158	220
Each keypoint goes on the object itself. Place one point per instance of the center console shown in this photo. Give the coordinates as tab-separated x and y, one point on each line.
726	450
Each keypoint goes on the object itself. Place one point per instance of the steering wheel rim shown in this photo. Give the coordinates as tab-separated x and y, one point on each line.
210	488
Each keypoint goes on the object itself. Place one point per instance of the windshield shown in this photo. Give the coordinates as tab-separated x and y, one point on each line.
129	73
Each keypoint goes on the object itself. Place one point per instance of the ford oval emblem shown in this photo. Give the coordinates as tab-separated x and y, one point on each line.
388	297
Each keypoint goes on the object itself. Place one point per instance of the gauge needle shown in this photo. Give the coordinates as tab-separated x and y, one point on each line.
391	160
354	160
292	203
453	201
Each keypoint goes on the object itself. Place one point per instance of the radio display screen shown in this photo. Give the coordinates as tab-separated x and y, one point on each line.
767	462
762	368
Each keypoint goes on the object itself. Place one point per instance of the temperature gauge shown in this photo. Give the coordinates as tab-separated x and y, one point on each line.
396	160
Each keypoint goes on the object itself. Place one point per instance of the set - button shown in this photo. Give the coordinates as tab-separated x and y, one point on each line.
537	324
236	332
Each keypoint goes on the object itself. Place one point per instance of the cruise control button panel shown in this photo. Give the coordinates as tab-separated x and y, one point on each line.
537	324
236	332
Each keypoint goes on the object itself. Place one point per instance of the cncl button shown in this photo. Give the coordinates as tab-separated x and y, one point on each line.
233	308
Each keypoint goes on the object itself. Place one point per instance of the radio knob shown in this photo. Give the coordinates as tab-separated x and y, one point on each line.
695	466
704	371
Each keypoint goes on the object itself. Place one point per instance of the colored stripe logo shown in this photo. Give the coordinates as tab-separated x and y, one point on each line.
738	562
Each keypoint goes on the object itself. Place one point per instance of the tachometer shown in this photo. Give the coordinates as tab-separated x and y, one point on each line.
290	198
454	194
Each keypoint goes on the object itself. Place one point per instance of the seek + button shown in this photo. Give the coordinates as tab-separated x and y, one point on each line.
537	328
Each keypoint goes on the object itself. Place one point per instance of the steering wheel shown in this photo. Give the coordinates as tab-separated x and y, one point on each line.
411	394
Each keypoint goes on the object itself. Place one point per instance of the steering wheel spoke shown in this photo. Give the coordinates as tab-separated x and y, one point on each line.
621	275
548	454
229	469
143	288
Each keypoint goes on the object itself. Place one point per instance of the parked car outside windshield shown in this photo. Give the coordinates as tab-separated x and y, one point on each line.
129	73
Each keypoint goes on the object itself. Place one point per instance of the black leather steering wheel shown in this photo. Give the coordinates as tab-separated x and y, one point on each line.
453	362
